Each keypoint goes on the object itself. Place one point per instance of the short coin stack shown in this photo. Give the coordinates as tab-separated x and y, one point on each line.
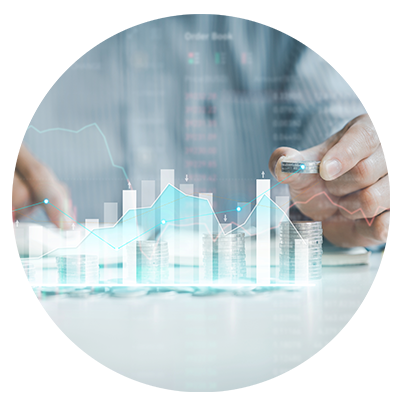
77	269
300	251
22	270
152	260
301	167
224	257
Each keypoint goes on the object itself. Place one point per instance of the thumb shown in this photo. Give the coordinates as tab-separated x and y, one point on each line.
296	181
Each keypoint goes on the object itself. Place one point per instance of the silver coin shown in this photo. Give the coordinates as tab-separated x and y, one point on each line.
293	263
300	225
292	267
301	167
297	273
289	249
152	256
303	224
305	242
292	233
310	251
300	234
148	250
151	243
298	280
289	264
292	275
316	266
230	235
225	254
309	271
151	260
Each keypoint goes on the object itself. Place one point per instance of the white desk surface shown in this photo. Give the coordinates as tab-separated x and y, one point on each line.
213	343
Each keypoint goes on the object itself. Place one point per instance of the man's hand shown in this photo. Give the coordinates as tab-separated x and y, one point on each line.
34	182
351	193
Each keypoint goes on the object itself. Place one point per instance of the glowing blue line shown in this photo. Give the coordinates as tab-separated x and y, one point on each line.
173	220
255	198
202	215
83	226
32	205
80	130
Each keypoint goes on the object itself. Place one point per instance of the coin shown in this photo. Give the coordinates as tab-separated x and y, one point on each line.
301	167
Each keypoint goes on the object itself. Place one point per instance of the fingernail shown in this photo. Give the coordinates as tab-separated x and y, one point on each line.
332	168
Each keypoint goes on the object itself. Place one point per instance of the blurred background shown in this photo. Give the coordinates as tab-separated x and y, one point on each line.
209	96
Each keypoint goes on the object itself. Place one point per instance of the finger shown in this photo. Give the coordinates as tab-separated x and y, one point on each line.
295	180
43	184
308	191
364	174
377	229
358	142
21	196
343	232
368	202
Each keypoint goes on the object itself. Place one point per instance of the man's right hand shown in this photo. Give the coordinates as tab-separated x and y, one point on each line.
34	182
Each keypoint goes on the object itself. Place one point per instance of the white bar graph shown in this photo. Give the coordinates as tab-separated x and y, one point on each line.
206	221
35	248
242	215
227	228
263	233
91	224
167	177
72	238
110	213
128	200
187	234
187	188
283	203
148	193
301	260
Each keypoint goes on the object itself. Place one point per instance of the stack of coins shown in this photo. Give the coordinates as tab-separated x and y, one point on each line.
152	260
301	167
224	257
22	270
300	251
79	268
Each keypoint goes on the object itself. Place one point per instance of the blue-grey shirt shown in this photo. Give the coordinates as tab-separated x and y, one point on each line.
209	96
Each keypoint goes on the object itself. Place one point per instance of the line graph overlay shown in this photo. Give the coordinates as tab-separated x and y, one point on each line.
152	208
81	130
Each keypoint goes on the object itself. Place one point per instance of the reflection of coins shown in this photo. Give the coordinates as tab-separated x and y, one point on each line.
300	167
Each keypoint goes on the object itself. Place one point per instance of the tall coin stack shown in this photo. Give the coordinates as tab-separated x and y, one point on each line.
80	268
29	269
224	257
300	251
152	260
